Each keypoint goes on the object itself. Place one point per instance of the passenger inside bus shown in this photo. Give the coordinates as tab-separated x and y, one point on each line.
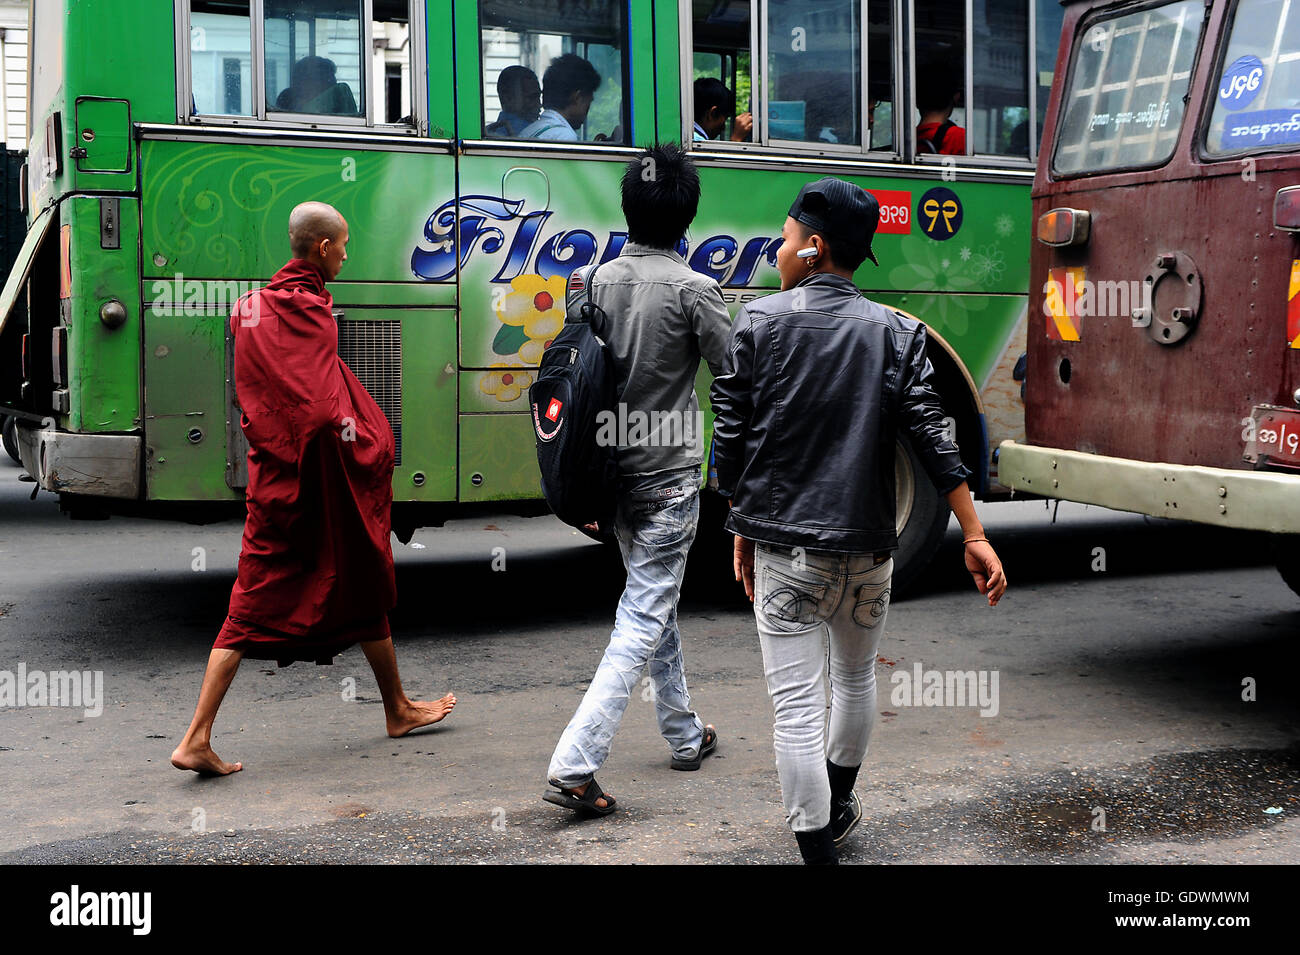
568	87
314	88
715	105
938	92
521	102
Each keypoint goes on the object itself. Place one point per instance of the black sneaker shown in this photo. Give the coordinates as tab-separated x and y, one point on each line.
845	816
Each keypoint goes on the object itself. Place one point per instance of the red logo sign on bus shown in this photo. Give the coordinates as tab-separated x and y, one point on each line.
895	211
1293	307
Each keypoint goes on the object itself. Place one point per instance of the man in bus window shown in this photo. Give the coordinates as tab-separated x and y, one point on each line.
315	565
521	102
819	383
714	106
314	88
663	317
939	90
568	87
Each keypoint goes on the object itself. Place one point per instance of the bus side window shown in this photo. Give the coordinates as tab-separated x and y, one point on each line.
221	60
1257	98
939	62
722	71
548	76
814	71
999	112
317	58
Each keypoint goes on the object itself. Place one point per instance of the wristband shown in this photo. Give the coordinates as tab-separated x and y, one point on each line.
976	540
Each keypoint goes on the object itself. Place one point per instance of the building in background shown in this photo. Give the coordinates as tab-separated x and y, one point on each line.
13	73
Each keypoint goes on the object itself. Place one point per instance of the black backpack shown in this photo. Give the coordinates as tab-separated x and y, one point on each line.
575	383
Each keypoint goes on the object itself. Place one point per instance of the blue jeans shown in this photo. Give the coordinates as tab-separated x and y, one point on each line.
654	531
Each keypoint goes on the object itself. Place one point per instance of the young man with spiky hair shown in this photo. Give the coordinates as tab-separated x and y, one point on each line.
662	317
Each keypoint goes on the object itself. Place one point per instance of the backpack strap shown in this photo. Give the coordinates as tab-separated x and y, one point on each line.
935	143
590	312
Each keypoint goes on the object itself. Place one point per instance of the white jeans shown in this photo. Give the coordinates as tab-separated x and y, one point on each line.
802	600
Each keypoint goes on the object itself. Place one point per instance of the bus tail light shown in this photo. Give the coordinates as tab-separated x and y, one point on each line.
65	262
1286	209
1064	227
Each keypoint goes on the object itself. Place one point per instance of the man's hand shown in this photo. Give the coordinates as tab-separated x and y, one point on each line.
742	562
985	567
742	127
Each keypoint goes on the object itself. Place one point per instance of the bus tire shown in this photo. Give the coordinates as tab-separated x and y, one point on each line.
921	517
10	438
1286	554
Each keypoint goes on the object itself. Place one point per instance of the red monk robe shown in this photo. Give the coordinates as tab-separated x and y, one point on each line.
316	565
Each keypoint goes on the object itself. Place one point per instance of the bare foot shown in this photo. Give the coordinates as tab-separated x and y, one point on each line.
202	760
421	713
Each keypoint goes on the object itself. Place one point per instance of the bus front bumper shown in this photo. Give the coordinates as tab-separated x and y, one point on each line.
1249	500
97	465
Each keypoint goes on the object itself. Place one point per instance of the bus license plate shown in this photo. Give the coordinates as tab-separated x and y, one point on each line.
1274	436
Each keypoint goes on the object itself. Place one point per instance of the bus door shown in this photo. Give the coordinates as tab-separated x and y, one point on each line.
545	97
1163	274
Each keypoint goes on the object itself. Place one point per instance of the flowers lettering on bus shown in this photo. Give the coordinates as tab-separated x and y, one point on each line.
495	226
179	296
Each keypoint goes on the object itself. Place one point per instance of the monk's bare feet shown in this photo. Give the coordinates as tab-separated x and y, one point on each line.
421	713
202	760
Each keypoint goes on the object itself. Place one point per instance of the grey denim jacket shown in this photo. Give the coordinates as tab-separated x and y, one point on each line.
662	318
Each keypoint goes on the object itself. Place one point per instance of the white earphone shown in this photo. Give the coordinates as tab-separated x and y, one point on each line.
806	253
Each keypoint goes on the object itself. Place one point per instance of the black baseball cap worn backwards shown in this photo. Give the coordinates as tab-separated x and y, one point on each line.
842	212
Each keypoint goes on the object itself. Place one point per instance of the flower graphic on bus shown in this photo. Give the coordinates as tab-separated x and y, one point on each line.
531	315
505	385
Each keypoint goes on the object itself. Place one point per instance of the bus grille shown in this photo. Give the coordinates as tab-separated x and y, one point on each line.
373	350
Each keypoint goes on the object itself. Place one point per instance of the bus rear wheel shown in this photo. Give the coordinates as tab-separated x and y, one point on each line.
1286	554
920	516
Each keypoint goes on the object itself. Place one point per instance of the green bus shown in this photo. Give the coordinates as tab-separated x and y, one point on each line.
172	137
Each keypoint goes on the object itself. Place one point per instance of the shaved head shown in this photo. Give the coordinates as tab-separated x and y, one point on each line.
309	223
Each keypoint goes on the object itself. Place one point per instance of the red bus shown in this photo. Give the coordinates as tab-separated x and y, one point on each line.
1163	372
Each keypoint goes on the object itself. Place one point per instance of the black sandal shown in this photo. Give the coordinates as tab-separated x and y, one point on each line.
708	743
586	803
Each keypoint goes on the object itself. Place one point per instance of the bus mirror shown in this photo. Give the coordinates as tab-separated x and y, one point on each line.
1286	209
1063	227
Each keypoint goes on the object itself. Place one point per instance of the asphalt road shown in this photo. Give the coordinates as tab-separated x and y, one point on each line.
1119	690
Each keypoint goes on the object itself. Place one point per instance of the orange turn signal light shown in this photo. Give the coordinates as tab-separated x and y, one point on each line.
1062	227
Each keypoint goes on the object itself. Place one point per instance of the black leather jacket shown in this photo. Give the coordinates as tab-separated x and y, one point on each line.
817	383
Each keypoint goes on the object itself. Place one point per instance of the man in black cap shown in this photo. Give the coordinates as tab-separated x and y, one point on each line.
818	382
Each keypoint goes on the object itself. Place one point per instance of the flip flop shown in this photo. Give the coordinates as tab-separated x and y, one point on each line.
586	803
708	744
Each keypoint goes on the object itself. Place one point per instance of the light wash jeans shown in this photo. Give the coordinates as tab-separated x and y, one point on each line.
654	531
802	600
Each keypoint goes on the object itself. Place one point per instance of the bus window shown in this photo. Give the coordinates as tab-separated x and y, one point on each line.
721	70
1048	17
880	75
1124	104
313	57
221	58
939	55
1258	100
814	71
1000	102
551	75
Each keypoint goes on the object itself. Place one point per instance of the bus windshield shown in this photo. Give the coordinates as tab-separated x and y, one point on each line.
1258	100
1124	104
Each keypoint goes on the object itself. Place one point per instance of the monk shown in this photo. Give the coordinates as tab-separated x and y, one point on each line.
316	565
